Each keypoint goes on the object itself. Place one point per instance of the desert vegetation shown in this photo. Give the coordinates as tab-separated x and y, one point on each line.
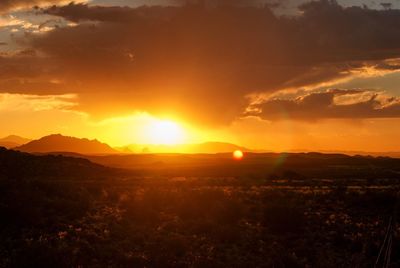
105	218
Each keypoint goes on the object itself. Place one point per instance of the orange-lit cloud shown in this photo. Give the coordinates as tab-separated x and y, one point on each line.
26	103
211	67
6	5
198	62
333	104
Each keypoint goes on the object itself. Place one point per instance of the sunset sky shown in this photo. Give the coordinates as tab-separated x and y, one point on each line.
291	76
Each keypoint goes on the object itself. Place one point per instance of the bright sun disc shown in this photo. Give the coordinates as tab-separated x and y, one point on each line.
165	132
238	155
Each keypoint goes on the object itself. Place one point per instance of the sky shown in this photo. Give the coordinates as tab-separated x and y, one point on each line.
273	75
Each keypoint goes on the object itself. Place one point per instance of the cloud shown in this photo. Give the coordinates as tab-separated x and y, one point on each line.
6	5
81	12
202	64
332	104
33	103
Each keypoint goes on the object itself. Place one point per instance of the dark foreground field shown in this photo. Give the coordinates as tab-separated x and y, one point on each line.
302	210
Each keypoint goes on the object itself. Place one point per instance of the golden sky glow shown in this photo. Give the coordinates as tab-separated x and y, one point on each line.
163	132
113	71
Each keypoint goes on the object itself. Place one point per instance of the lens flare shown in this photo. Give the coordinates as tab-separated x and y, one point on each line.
238	155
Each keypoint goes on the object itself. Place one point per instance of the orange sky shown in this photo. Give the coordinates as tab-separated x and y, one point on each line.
236	73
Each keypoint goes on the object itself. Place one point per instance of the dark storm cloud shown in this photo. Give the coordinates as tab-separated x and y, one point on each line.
323	106
202	63
80	12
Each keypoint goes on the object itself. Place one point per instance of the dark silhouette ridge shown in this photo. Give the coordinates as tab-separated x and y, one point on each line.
8	145
260	165
60	143
19	165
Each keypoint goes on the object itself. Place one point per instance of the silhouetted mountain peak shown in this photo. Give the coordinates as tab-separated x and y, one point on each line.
16	139
60	143
12	141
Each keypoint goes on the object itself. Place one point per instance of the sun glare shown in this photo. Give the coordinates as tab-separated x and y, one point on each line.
165	132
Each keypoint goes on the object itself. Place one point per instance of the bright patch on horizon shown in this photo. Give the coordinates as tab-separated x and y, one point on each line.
238	155
165	132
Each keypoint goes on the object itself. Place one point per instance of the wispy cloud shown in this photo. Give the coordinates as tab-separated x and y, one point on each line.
34	103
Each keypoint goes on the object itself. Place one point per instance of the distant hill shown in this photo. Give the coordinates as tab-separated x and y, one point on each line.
60	143
13	141
264	165
201	148
8	145
392	154
215	147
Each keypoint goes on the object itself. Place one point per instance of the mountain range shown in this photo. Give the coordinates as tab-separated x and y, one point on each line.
60	143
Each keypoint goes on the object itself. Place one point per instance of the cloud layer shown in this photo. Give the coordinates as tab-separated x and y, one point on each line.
326	105
202	64
6	5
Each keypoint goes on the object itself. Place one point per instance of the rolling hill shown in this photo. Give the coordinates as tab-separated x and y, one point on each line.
19	165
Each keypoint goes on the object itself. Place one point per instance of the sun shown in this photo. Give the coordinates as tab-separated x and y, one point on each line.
238	155
165	132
